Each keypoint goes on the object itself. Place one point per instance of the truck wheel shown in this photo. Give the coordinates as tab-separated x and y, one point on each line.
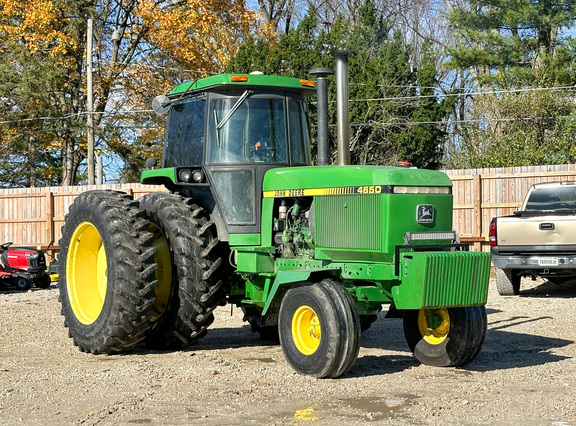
106	277
447	336
23	283
189	272
319	329
507	282
253	315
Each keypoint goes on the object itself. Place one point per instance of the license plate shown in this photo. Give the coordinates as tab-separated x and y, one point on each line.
548	262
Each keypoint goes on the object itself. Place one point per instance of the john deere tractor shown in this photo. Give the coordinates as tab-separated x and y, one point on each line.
309	253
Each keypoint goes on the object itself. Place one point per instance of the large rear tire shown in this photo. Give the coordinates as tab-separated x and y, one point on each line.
447	336
106	274
189	275
319	329
507	282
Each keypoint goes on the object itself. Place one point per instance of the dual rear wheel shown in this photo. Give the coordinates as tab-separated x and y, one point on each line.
137	271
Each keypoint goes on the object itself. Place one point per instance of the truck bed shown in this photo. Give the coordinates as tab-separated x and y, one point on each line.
550	228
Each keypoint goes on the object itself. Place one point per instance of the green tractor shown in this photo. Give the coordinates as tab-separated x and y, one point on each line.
309	253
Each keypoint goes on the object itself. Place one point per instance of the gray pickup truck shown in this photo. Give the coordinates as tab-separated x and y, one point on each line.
539	240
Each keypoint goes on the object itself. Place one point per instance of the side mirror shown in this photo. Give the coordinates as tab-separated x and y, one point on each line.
161	104
151	163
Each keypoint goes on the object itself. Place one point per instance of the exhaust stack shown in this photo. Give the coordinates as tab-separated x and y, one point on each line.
322	99
343	116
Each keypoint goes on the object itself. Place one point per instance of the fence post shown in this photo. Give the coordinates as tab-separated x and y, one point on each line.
49	217
477	191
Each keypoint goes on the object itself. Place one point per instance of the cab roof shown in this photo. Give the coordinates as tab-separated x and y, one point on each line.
245	81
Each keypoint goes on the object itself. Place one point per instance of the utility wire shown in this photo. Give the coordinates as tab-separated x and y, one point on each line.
395	98
370	123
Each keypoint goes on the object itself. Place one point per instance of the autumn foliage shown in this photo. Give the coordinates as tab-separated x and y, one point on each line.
203	34
43	75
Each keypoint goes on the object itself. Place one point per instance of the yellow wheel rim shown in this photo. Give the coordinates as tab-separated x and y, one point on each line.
86	273
434	325
306	330
163	273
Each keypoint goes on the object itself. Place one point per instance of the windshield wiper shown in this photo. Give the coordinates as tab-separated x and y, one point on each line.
233	109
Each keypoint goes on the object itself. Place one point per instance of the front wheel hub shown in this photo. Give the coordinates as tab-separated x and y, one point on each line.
434	325
306	330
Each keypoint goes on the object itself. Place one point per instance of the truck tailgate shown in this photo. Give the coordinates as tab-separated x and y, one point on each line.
551	230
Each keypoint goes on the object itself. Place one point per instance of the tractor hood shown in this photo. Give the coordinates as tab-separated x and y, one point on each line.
351	179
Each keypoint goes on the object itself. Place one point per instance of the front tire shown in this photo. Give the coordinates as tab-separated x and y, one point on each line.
447	336
106	274
187	249
319	329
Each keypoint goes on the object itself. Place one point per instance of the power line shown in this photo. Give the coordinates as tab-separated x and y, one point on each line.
395	98
370	123
490	92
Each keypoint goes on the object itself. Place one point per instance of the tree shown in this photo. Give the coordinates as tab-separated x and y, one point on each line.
509	48
512	42
532	128
137	46
38	82
405	121
389	96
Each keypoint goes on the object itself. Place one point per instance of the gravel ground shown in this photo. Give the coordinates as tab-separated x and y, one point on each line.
525	373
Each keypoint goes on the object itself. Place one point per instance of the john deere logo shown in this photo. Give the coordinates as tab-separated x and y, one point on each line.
425	213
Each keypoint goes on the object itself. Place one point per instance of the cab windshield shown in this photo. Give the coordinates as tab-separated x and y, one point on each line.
257	129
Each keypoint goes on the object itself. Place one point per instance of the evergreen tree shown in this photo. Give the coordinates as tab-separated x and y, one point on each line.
513	43
386	104
522	66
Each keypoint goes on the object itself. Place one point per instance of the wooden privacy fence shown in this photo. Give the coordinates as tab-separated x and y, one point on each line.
34	216
481	194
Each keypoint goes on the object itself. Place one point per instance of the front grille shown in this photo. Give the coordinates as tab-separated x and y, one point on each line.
348	222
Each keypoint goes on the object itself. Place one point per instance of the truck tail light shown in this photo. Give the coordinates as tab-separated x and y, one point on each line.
492	233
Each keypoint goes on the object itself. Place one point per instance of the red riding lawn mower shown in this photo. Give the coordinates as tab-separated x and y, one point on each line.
22	267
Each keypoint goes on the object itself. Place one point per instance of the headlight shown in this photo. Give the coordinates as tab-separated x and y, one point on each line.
198	176
421	190
185	175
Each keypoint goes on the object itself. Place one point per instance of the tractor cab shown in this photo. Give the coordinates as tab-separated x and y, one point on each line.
224	133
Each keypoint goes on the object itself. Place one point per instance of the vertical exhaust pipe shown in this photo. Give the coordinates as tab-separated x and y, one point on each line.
343	115
322	112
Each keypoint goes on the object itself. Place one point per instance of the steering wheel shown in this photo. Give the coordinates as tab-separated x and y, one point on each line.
5	245
262	151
